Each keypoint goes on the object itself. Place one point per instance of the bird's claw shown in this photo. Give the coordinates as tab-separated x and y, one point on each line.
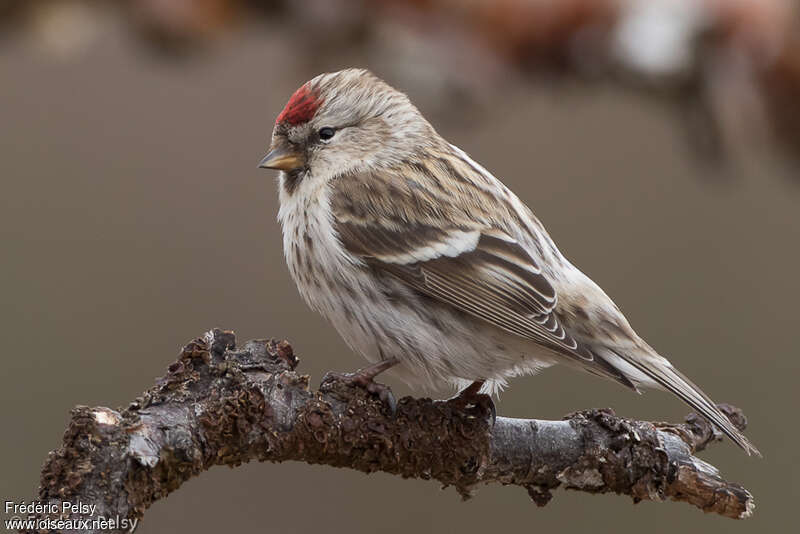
470	397
366	381
384	394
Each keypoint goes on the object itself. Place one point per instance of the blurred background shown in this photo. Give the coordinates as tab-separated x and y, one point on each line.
658	141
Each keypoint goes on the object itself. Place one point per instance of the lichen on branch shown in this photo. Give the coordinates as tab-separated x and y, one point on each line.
220	404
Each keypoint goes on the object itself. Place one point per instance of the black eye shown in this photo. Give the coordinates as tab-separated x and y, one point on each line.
326	133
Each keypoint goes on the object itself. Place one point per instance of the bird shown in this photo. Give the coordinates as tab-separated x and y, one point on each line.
428	265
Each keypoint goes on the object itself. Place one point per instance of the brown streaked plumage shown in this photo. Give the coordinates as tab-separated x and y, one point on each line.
424	261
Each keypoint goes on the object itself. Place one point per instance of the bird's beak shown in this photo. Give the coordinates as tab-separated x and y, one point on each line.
283	157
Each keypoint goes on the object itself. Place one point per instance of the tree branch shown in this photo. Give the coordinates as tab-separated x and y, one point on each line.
220	404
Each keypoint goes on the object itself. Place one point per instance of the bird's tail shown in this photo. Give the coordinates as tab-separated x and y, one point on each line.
663	374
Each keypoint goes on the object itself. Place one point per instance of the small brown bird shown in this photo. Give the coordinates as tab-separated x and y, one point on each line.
425	262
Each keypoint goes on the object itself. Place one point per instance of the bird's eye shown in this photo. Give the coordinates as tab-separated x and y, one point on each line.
326	133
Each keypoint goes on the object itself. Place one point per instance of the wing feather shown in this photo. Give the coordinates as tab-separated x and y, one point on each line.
473	267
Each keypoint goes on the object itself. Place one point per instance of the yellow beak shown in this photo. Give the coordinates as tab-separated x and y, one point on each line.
282	158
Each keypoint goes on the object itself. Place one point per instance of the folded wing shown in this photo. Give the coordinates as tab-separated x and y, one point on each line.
474	268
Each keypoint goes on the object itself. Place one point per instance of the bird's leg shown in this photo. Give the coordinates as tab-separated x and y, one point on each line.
365	378
471	396
471	391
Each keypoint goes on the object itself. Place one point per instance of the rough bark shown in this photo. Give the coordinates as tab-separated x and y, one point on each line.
223	404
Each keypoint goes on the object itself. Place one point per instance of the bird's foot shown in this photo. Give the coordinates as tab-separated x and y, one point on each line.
365	378
470	397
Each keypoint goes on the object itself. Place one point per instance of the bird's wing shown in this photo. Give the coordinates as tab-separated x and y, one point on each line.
433	247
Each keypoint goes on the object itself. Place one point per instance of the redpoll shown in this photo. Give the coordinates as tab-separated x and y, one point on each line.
426	263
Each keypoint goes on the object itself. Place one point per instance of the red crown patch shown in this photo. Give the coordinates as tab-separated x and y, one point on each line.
301	107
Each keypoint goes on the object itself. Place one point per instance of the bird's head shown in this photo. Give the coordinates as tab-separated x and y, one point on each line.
342	122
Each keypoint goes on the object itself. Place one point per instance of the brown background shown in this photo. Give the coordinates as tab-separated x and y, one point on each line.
133	218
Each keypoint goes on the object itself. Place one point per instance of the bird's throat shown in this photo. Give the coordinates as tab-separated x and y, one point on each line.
290	180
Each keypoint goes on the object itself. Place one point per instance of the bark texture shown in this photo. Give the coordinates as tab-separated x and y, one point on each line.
223	404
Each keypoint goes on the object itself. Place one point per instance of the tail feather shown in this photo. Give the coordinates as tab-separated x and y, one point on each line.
669	378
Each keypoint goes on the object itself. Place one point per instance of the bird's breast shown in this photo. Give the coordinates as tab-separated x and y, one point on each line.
318	263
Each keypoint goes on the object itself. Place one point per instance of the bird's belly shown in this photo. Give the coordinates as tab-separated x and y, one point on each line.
437	346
